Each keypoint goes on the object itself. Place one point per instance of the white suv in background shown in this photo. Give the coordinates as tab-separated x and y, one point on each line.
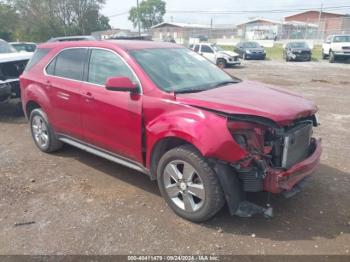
336	46
217	55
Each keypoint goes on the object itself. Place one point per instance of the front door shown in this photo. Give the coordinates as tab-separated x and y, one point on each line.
111	120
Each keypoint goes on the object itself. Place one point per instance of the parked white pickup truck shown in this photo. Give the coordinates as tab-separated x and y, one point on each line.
216	54
336	46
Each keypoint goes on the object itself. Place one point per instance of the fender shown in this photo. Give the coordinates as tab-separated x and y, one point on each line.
205	130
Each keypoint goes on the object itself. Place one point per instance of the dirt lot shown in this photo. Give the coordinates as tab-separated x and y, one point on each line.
82	204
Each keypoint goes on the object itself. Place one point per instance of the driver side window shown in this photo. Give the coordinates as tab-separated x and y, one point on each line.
104	64
206	49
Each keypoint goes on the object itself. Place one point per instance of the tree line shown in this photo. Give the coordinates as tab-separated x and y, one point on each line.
39	20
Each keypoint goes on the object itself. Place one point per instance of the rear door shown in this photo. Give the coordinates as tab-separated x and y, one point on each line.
64	79
111	120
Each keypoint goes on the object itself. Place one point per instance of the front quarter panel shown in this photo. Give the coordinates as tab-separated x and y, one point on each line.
207	131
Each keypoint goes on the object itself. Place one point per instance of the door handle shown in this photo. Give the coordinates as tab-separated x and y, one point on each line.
48	83
88	96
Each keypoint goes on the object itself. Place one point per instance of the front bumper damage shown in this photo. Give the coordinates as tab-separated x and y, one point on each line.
279	180
233	61
277	164
9	89
5	91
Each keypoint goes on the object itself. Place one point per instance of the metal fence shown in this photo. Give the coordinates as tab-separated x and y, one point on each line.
314	29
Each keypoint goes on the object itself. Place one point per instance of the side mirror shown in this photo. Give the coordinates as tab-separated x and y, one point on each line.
122	84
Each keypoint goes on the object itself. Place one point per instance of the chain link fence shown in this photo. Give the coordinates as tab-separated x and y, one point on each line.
315	30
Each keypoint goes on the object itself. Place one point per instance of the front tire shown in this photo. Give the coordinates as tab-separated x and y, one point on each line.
42	132
189	185
221	63
331	57
324	56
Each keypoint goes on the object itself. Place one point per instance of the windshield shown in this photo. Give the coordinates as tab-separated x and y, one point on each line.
251	45
24	47
217	48
341	38
6	48
298	45
180	69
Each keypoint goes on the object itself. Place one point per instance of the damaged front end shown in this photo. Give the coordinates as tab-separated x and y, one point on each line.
9	82
278	160
277	157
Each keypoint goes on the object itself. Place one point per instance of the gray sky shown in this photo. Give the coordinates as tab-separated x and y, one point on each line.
114	7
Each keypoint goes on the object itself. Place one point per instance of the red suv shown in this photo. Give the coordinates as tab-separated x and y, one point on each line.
168	112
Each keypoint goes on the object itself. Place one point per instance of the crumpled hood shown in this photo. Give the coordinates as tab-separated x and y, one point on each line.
11	57
230	53
253	99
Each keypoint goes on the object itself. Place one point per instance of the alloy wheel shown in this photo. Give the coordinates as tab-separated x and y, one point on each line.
40	131
184	186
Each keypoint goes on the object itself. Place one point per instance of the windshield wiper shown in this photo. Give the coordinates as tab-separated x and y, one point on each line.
224	83
185	91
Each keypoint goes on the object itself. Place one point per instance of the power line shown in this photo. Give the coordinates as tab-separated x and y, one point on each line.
257	11
120	14
290	10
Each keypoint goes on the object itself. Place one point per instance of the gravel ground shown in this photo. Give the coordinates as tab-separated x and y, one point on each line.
76	203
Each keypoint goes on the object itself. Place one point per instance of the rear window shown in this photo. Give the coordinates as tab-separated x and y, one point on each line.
70	63
37	56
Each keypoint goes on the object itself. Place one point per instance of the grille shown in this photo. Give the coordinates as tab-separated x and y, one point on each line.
296	144
346	47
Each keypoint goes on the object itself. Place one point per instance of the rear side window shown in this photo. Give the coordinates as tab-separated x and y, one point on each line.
70	64
37	56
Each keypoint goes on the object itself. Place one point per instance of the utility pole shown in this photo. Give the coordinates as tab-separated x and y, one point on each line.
138	16
319	20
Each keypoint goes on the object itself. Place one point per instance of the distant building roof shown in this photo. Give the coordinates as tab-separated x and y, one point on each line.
317	11
183	25
260	19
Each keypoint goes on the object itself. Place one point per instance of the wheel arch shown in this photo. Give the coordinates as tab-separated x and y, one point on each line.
162	146
30	106
34	96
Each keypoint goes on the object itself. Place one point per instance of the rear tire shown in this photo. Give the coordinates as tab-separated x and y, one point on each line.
189	185
42	132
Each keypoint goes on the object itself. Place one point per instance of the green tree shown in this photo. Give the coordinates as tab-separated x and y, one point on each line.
8	22
151	12
43	19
